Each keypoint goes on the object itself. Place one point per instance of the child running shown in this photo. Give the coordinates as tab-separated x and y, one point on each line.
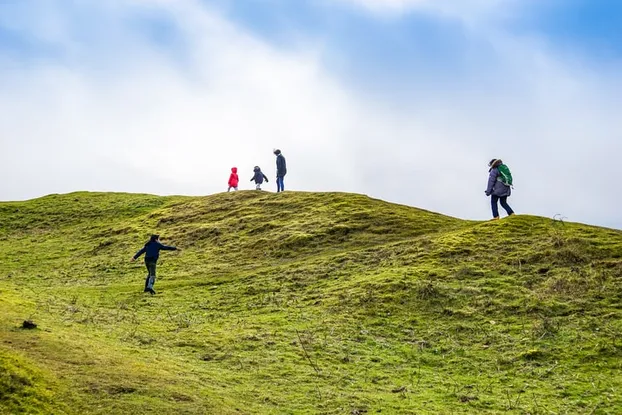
152	253
233	179
258	178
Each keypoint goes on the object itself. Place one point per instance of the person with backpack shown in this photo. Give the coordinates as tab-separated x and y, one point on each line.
281	171
258	178
499	187
152	252
233	179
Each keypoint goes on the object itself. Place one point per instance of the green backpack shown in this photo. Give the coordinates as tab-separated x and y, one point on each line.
505	175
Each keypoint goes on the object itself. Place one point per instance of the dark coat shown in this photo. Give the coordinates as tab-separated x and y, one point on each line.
259	177
495	186
281	167
152	250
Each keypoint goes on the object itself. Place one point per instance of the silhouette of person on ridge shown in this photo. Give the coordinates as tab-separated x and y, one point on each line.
258	178
233	179
281	170
499	187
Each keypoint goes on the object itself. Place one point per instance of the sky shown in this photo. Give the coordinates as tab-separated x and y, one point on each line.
403	100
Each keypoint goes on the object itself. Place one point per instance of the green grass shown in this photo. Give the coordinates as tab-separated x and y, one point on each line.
304	303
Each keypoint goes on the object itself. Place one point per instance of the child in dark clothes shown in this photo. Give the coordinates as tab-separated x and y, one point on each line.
258	178
152	253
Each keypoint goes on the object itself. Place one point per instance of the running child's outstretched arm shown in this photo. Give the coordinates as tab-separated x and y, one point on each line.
139	253
168	248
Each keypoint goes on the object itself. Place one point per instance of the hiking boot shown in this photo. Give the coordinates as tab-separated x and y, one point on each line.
495	218
151	291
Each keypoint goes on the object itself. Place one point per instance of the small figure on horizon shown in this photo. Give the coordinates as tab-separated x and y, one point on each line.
152	252
499	187
258	178
281	171
233	179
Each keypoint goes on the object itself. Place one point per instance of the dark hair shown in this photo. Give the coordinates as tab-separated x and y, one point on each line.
277	152
154	238
494	163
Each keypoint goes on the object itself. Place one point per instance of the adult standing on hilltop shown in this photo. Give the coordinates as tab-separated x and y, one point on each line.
281	170
152	252
499	187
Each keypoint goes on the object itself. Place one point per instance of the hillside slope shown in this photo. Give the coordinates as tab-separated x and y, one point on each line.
304	303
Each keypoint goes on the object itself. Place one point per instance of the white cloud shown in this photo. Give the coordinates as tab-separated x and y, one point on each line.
117	112
467	10
235	101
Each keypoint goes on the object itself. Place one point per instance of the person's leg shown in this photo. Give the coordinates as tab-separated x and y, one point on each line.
279	184
148	276
152	276
504	204
495	208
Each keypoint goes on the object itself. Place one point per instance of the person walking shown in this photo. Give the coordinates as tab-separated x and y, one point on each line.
281	171
258	178
152	252
233	179
499	187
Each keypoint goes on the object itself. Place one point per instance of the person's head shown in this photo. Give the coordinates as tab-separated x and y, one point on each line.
256	168
234	169
154	238
495	163
277	151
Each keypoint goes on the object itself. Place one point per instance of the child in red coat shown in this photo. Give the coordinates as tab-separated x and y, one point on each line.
233	179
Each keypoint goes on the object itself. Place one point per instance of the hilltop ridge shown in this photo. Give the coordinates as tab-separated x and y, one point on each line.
304	303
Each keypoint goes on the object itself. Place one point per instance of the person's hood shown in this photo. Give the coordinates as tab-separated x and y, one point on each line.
234	170
256	169
495	163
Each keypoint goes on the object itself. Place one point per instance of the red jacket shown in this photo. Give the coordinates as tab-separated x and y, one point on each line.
233	179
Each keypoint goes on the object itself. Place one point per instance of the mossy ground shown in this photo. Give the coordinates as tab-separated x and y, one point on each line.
304	303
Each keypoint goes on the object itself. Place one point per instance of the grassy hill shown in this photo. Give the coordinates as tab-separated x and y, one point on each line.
304	303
